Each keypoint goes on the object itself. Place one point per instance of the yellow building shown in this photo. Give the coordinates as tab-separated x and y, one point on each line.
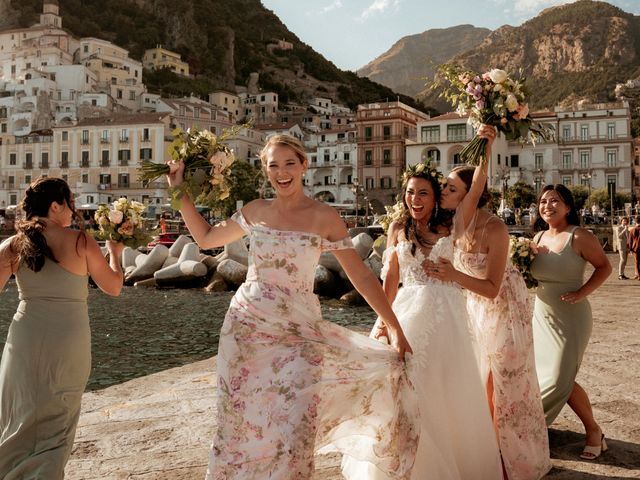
157	58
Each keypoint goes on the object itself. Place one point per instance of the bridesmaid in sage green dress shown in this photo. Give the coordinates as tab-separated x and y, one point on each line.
562	318
47	356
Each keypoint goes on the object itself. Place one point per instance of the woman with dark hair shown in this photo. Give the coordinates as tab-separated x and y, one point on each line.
562	319
47	356
457	439
499	307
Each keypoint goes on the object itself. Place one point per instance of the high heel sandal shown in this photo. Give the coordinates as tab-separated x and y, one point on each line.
591	452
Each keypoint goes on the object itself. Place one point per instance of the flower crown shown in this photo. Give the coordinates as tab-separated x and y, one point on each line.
398	212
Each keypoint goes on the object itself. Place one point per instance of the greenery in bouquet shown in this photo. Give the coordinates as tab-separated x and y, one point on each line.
492	98
122	221
207	160
522	251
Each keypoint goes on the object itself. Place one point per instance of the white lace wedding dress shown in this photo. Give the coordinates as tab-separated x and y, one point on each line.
457	439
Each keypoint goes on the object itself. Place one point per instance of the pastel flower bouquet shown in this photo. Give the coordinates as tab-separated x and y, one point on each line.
122	221
522	252
492	98
207	161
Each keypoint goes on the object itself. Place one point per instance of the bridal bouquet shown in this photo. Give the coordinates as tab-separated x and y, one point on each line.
522	252
207	160
122	221
491	98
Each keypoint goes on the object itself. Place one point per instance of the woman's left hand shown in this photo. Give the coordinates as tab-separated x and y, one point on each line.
572	297
442	270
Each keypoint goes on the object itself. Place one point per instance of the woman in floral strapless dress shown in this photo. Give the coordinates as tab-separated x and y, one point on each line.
289	383
500	310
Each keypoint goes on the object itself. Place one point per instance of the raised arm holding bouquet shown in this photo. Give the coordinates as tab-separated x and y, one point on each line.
206	161
492	98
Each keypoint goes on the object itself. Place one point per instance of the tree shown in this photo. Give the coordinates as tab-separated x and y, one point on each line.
246	180
520	195
580	195
601	198
494	203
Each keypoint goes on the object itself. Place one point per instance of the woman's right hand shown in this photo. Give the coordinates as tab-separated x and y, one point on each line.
175	177
114	248
399	342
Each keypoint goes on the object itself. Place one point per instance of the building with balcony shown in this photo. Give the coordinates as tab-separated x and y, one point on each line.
158	58
262	107
382	130
99	154
332	160
227	101
593	148
117	74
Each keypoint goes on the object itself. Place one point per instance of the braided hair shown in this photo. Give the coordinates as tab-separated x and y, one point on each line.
30	244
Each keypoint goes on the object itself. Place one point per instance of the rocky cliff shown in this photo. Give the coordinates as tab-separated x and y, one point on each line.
411	60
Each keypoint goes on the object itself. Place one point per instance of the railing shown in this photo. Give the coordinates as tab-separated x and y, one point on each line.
593	138
123	163
27	165
84	163
33	139
44	164
64	163
104	163
104	140
383	138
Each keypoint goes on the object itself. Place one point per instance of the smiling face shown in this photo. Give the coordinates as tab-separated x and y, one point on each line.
552	208
419	198
453	192
284	169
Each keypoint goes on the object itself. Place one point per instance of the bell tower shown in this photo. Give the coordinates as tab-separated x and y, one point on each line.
50	14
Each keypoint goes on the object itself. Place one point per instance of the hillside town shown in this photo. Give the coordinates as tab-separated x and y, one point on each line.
77	108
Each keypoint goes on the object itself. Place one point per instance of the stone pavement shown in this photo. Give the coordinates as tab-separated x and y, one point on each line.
159	427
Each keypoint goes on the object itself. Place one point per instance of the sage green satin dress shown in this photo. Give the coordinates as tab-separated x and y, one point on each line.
43	373
561	330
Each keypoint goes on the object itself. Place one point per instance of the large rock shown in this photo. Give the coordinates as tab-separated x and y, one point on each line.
139	259
183	274
129	257
374	264
363	244
217	284
233	272
152	263
379	246
353	297
169	261
190	251
325	282
176	249
237	251
330	262
211	262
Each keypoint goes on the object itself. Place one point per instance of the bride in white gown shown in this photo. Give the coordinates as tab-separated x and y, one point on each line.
457	437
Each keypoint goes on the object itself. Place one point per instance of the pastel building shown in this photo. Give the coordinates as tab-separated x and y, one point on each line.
158	58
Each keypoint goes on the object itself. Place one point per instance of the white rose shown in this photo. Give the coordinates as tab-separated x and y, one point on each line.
498	76
115	216
511	102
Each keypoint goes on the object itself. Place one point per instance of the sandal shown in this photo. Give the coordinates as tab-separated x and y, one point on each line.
592	452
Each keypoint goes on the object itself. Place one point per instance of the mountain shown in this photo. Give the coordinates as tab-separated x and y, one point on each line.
223	41
411	60
578	51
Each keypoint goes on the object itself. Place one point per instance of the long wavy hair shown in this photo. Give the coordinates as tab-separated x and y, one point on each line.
30	244
439	217
572	217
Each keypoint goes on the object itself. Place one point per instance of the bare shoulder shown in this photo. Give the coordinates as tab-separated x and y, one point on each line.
582	236
394	232
496	227
6	247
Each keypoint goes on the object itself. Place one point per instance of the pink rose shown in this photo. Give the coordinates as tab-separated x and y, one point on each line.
126	228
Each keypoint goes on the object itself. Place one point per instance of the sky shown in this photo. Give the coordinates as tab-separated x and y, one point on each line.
351	33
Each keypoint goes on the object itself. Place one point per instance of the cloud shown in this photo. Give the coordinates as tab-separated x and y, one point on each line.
332	6
378	6
525	7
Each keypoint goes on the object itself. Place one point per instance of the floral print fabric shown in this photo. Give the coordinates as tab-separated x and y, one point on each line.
291	384
504	335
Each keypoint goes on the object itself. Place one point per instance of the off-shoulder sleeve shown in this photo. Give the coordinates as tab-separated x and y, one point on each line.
385	261
343	244
240	220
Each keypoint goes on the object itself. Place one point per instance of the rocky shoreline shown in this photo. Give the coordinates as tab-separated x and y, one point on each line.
159	427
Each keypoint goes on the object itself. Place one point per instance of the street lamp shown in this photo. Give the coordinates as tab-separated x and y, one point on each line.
356	191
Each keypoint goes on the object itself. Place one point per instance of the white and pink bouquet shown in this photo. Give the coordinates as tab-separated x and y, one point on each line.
522	252
122	221
207	161
492	98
